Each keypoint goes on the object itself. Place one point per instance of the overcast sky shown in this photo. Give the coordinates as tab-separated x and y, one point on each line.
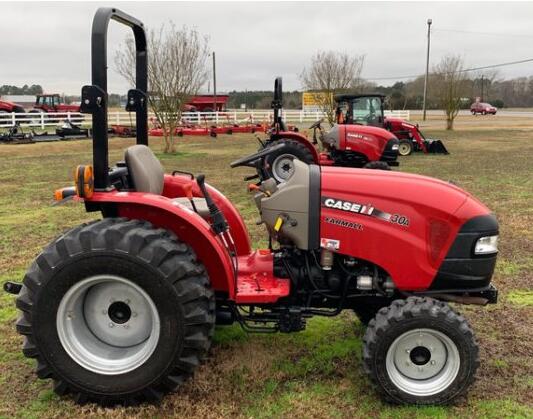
49	43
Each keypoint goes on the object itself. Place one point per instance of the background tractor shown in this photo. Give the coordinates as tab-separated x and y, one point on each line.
344	145
50	103
367	109
122	309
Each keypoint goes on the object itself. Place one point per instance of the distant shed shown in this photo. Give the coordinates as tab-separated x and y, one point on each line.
206	103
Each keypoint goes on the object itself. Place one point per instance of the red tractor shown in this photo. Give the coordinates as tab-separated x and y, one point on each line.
51	102
10	107
344	145
367	110
122	309
7	108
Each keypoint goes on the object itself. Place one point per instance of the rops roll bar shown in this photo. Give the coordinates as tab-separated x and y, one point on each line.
277	105
94	97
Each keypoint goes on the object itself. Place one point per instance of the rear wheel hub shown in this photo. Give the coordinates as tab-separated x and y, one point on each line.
108	324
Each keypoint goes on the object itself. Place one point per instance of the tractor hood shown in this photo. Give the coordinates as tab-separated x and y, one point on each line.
394	187
369	142
403	222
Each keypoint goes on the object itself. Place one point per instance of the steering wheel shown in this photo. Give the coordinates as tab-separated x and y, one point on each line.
316	124
251	160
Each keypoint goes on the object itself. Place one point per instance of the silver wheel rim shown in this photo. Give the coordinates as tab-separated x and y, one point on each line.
283	167
404	149
108	325
423	362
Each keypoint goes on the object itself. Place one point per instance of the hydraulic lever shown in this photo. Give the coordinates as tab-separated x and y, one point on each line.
220	225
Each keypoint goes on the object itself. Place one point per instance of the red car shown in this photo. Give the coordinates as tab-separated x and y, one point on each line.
482	108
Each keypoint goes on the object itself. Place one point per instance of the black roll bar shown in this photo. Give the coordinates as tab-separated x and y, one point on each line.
94	97
277	104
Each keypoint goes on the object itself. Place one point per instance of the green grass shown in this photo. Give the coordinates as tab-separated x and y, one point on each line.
313	374
521	298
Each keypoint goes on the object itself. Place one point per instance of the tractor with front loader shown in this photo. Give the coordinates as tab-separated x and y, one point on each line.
123	309
353	145
367	109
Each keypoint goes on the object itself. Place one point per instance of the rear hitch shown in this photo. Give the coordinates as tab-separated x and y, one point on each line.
12	287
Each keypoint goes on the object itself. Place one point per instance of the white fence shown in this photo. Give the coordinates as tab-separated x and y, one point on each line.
43	120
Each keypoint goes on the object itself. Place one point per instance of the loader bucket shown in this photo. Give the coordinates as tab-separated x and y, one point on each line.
436	147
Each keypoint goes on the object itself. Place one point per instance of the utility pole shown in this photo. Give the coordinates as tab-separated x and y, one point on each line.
214	83
427	72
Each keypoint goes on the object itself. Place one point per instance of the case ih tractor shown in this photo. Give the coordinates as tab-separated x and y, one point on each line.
367	110
10	107
52	103
122	309
6	108
344	145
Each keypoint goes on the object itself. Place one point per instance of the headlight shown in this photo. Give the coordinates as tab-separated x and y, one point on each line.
486	245
394	147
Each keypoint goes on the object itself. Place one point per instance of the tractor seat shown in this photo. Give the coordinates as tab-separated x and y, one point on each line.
147	175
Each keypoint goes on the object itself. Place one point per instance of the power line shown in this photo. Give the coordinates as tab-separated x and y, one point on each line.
483	33
461	71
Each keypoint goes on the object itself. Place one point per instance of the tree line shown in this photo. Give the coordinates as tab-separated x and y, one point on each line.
34	89
508	93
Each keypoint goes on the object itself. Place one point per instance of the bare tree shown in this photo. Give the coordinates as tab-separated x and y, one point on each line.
176	71
330	73
449	83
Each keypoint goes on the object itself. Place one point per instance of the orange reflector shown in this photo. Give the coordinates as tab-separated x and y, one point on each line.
58	194
63	193
84	181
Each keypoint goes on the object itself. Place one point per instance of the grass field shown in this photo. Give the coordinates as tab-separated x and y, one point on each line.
316	373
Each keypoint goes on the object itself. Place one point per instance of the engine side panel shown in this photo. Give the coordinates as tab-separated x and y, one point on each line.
290	203
401	222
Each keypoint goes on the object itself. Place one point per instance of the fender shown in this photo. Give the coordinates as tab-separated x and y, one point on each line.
175	186
186	224
301	139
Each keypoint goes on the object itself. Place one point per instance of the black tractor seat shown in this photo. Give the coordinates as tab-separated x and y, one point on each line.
147	175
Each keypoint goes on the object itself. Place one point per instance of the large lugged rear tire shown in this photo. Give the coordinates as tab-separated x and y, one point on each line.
420	351
116	311
279	164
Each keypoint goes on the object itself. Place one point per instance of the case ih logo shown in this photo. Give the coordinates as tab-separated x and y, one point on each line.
347	206
362	209
359	136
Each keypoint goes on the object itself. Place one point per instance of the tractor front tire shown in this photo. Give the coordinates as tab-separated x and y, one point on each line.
377	165
405	147
279	164
420	351
116	312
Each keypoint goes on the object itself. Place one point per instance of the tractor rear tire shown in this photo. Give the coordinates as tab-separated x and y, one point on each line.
116	312
279	164
379	165
420	351
405	147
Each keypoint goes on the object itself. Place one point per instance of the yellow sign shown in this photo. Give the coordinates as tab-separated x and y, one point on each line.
313	98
